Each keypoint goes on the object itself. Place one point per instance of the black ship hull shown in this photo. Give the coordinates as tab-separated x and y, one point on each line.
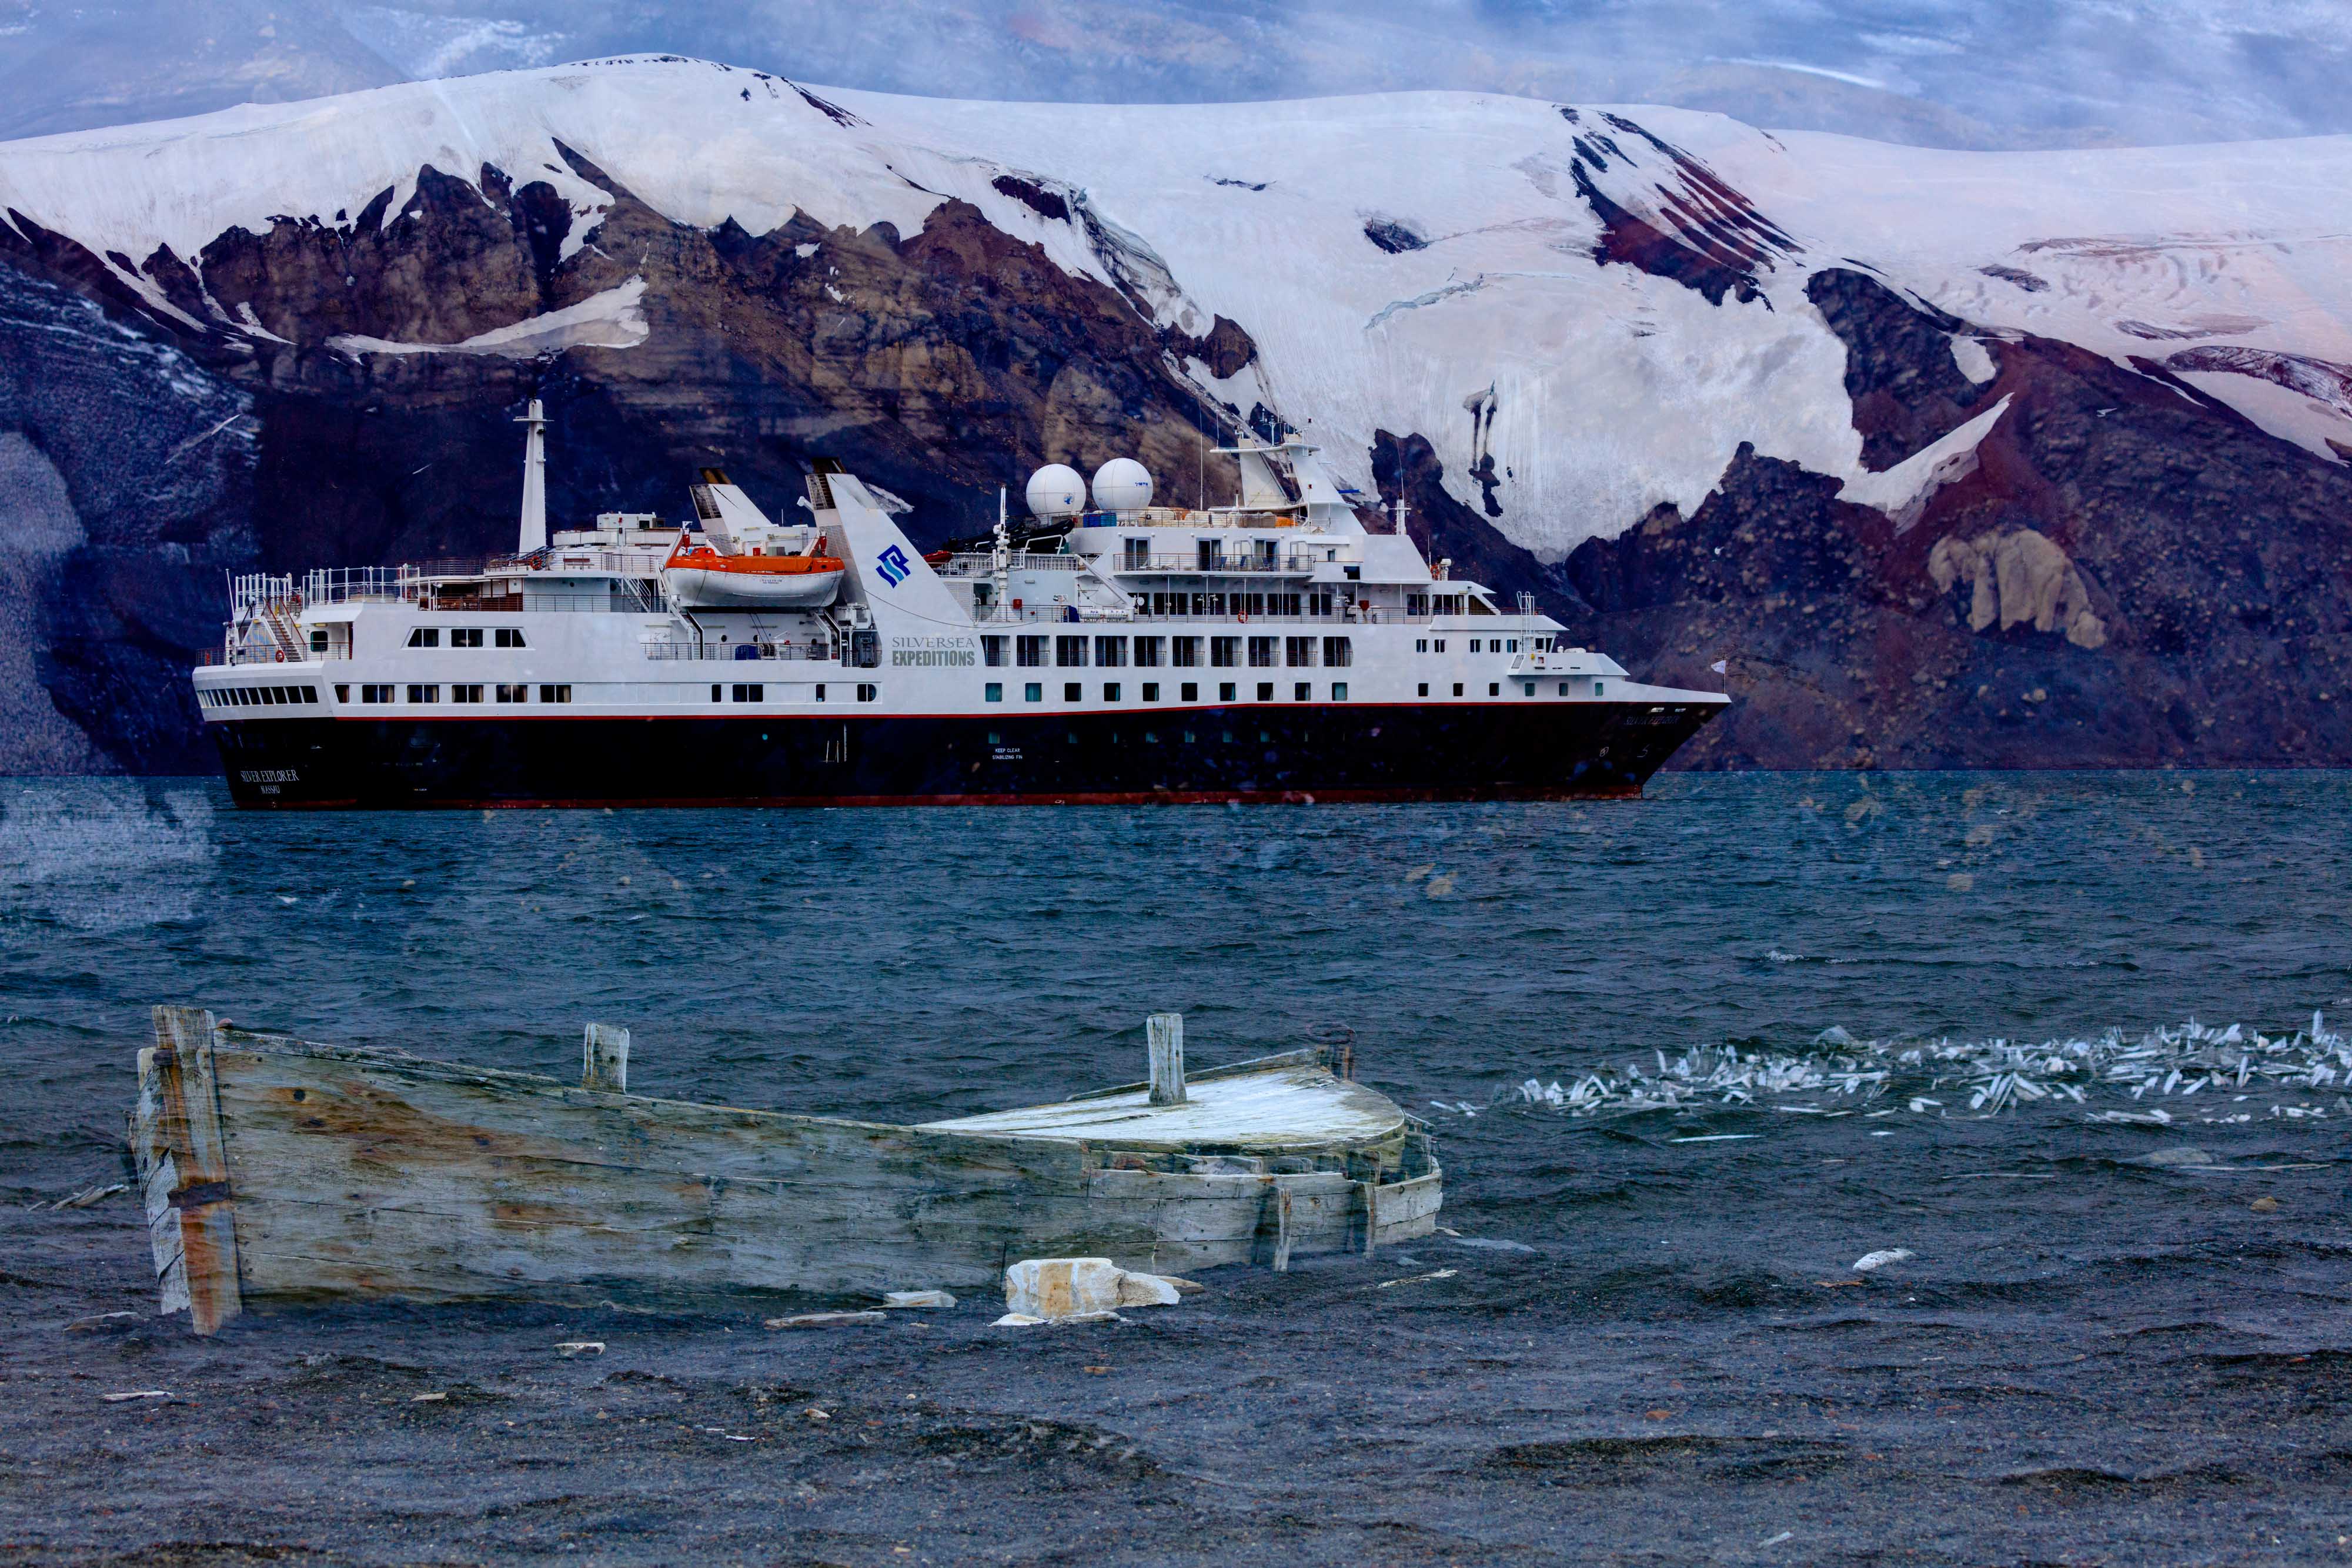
1253	753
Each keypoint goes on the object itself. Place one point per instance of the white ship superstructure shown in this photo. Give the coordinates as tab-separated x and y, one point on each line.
1271	649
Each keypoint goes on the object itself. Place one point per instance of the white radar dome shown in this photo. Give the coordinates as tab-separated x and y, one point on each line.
1057	491
1122	485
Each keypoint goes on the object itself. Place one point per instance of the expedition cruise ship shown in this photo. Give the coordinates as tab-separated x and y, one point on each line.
1272	650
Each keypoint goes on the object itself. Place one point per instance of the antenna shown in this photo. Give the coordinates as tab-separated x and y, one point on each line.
533	535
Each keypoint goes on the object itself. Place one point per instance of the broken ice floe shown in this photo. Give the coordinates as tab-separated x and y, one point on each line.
1981	1077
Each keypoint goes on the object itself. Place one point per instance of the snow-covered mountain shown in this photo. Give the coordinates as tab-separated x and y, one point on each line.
1543	324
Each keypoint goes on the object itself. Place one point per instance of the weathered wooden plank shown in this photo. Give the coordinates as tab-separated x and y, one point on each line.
604	1058
188	1123
1164	1045
377	1172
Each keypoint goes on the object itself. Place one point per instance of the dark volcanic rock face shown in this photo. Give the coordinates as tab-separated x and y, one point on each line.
2130	574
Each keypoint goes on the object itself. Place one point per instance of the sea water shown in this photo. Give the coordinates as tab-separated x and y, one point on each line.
2072	1045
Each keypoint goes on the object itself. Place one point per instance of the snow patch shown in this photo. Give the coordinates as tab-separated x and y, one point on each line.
1904	491
614	319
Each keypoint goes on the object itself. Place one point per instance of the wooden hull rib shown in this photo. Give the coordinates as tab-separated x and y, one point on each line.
335	1172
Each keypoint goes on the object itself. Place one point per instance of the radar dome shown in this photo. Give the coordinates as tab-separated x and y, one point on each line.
1122	485
1057	491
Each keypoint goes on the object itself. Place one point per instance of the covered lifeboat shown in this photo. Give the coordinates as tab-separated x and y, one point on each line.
700	576
743	561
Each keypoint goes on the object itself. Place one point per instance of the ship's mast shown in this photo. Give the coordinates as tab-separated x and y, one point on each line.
534	482
1000	562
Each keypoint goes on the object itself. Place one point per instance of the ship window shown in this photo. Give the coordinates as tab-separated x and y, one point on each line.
1511	646
1421	646
714	690
1224	652
1070	691
1530	688
867	693
748	692
1457	688
319	641
1298	653
375	694
819	691
309	694
1474	645
1139	554
1494	688
992	652
464	636
1217	604
509	637
1034	692
425	637
994	738
1070	652
1225	695
343	693
1110	653
1424	688
1152	691
1596	689
994	692
1563	688
1188	692
555	693
1302	691
522	694
1187	652
1147	651
417	694
1266	691
465	694
1029	652
1416	604
1257	603
1438	646
1207	557
1338	653
1201	605
1261	653
1338	691
1150	738
1110	692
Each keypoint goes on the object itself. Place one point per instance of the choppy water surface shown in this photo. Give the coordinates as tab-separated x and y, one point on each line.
1691	1055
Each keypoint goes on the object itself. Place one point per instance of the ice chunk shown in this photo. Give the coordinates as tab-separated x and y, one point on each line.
1058	1289
1882	1257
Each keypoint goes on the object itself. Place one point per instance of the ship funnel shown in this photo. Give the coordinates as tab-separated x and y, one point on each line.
534	481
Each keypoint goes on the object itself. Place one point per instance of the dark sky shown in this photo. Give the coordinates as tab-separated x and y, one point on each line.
1960	73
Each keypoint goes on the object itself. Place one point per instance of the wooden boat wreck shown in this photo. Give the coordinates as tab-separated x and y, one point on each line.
276	1170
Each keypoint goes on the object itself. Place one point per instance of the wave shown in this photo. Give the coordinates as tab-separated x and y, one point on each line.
1843	1075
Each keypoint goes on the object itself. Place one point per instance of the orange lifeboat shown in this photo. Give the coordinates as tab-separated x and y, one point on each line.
699	576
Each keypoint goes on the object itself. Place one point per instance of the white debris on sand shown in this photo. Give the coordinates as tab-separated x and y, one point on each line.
1064	1289
897	1298
2233	1064
1882	1257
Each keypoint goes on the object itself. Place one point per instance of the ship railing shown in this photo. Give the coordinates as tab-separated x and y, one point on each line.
980	563
267	652
1296	563
1057	615
732	653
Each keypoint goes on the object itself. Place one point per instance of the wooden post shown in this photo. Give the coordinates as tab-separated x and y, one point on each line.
604	1059
1163	1035
187	1164
1281	1228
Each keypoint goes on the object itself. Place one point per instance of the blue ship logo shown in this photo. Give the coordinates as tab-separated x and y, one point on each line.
892	564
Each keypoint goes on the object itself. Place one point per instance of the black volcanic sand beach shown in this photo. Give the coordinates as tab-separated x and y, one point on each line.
1637	1350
